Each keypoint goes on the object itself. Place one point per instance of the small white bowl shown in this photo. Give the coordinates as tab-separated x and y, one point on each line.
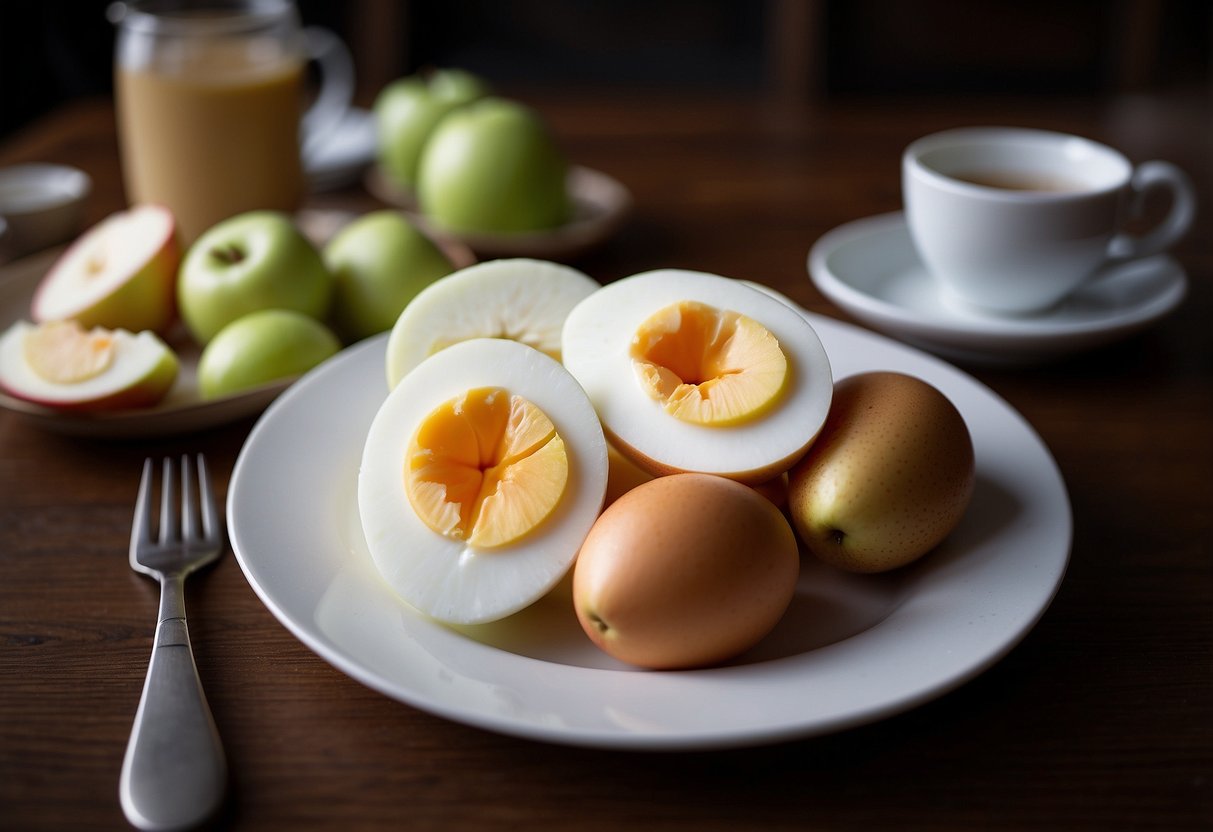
41	205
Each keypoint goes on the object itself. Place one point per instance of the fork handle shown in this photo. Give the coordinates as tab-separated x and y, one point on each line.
174	773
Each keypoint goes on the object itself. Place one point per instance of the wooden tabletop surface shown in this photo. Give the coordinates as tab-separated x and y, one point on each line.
1101	718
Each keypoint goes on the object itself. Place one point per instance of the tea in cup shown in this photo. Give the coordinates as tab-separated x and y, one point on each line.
210	105
1010	221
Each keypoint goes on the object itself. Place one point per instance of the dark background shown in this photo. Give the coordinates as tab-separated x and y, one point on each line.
799	50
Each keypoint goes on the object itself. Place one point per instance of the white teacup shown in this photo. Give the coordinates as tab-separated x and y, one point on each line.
1010	221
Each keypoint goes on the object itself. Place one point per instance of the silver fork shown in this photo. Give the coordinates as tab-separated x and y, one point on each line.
174	773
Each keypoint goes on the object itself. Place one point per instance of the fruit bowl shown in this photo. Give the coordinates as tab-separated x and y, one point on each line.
601	204
321	224
183	410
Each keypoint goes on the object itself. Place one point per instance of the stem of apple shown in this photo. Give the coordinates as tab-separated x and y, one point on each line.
228	255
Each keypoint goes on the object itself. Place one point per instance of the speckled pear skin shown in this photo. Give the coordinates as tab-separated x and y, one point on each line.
889	477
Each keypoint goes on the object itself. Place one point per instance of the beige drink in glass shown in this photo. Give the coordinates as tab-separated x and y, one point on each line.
209	108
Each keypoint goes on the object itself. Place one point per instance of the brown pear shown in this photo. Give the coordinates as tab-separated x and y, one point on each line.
889	477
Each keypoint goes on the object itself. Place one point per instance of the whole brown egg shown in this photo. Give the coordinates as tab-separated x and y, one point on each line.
685	571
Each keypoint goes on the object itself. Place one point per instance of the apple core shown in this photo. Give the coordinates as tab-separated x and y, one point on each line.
62	352
486	467
708	366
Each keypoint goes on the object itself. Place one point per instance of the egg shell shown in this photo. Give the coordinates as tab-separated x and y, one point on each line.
685	571
448	579
622	475
596	342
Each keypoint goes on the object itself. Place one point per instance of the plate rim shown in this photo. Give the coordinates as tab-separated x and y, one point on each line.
658	741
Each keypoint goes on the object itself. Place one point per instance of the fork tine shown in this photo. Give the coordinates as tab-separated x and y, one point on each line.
141	526
210	514
189	504
168	508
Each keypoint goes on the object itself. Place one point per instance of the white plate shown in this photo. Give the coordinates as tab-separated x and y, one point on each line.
871	269
850	650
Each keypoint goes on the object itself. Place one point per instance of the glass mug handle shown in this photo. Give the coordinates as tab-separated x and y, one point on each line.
1147	177
336	89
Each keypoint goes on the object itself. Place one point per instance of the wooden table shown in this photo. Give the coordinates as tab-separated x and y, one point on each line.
1102	718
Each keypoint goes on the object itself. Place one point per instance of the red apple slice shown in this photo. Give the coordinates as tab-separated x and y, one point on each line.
120	274
63	366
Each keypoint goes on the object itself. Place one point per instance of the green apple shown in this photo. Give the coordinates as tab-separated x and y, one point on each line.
253	261
493	167
379	263
120	274
61	365
407	110
261	347
889	477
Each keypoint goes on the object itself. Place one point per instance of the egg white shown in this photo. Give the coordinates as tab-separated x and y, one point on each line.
596	349
448	579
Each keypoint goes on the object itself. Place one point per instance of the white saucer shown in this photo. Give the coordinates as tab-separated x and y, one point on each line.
346	153
871	269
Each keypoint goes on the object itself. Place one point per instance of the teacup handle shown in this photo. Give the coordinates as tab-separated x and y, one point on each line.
1147	177
336	89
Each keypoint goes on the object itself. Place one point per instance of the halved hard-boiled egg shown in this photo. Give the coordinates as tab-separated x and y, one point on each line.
481	475
520	299
697	372
62	365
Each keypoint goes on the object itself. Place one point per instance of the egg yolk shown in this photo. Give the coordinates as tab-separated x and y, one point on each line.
709	366
486	467
62	352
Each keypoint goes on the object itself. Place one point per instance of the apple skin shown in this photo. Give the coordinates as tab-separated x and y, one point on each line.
147	300
146	391
253	261
149	392
492	167
889	477
406	112
262	347
379	263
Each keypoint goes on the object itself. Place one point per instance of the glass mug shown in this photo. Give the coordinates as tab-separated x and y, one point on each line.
210	110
